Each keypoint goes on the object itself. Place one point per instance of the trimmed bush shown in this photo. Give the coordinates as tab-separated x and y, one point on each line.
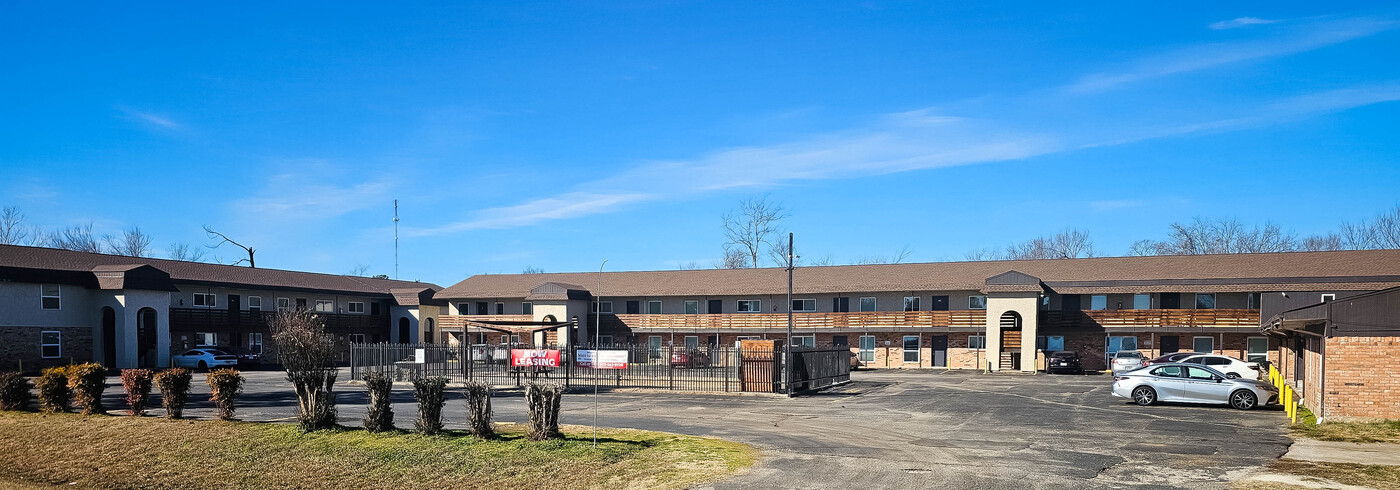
431	395
380	417
137	383
54	394
309	356
479	410
87	381
542	401
224	387
14	391
174	386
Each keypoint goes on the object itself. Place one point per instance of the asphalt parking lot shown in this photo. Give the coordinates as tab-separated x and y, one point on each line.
901	429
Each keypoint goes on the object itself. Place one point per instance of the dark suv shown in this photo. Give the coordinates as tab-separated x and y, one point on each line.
1064	361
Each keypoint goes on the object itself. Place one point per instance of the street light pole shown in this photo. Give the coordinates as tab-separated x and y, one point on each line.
787	343
597	337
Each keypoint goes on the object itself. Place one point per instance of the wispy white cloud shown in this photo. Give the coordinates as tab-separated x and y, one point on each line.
302	194
568	205
149	120
1305	37
1242	22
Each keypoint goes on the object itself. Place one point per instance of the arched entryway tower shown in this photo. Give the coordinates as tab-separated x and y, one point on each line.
1012	301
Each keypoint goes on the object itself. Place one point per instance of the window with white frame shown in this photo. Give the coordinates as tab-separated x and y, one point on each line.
692	307
1205	301
206	338
1142	301
500	308
1258	349
527	308
325	306
357	338
750	306
654	307
692	342
867	303
51	296
654	347
867	348
911	348
602	307
255	302
804	305
1328	298
1203	344
51	344
911	303
284	304
355	307
205	299
977	342
1098	302
804	340
1251	301
255	342
976	302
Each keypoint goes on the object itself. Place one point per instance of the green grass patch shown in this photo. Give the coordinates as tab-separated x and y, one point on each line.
127	452
1384	431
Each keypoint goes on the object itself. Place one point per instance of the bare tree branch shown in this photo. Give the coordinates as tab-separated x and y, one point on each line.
12	229
532	270
733	259
182	251
750	228
77	238
360	270
133	243
225	239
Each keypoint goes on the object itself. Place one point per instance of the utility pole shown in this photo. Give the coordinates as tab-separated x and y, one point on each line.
787	342
396	239
597	338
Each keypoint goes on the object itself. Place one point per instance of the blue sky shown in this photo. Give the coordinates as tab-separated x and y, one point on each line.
557	135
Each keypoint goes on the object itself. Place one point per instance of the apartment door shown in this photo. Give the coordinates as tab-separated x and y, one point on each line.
235	304
716	306
939	303
1070	302
109	337
1169	301
405	332
1170	344
938	344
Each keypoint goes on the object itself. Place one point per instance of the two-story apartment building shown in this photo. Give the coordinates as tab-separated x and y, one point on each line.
60	306
976	315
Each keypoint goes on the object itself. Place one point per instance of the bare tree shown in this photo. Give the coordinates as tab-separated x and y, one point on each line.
1321	243
1144	248
733	259
688	266
982	255
77	238
225	239
822	261
1386	229
1071	243
379	276
1223	236
532	270
360	270
132	243
12	228
1360	236
753	227
182	251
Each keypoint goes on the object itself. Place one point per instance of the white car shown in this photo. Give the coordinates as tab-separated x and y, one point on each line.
204	359
1233	368
1126	360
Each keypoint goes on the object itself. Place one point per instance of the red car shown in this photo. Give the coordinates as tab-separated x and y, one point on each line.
693	358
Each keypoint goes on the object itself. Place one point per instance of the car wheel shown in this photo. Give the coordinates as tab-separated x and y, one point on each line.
203	366
1232	375
1144	395
1243	399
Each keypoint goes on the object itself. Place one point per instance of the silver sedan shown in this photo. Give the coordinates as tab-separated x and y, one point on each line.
1191	383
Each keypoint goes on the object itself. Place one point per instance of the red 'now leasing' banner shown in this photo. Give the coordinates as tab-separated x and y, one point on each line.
534	357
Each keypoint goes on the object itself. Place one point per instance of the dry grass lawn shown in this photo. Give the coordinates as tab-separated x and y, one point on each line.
1372	476
1388	432
128	452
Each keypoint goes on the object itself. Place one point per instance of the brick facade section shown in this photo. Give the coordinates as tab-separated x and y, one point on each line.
1363	378
21	346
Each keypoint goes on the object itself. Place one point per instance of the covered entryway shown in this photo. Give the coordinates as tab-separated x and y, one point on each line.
109	337
938	348
1011	340
405	331
146	338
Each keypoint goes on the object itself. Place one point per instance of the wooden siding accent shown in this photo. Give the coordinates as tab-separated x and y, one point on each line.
192	319
456	322
1150	318
857	320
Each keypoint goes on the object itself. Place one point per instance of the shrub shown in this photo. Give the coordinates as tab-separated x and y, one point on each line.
309	356
381	414
174	386
479	409
87	381
542	401
224	387
14	391
430	393
137	383
54	394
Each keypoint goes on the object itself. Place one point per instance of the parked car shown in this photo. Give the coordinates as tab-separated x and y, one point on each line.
1192	383
1232	367
693	358
1125	360
246	358
204	358
1173	357
1064	361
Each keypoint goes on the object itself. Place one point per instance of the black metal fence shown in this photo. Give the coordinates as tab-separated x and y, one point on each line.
701	369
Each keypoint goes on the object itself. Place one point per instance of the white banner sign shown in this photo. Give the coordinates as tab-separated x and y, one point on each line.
602	359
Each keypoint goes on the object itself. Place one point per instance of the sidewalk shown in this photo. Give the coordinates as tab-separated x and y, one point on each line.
1344	452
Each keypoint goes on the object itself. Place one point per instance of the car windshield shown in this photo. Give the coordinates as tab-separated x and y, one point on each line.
215	352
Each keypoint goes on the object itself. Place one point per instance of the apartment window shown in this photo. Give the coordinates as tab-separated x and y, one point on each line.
481	307
51	296
527	308
325	306
977	342
603	307
654	307
804	341
1054	342
867	303
604	340
206	338
634	307
840	341
510	339
301	303
654	347
205	299
840	304
692	307
1327	298
911	348
284	304
1142	301
976	302
355	307
255	343
1251	301
255	302
1203	344
500	308
804	305
1258	349
692	342
464	308
1098	302
1205	301
867	348
750	306
51	344
911	303
357	338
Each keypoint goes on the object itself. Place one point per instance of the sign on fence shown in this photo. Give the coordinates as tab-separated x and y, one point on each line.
420	356
534	357
602	359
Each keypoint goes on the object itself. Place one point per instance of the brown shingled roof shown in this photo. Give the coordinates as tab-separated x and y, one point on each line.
1366	269
25	261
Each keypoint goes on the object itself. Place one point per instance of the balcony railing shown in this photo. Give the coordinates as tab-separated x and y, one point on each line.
457	321
1150	318
742	321
186	319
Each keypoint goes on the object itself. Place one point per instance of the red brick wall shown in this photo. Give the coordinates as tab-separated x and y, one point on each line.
21	345
1363	378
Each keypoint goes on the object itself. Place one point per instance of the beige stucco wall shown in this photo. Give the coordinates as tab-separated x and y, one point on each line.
1024	304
